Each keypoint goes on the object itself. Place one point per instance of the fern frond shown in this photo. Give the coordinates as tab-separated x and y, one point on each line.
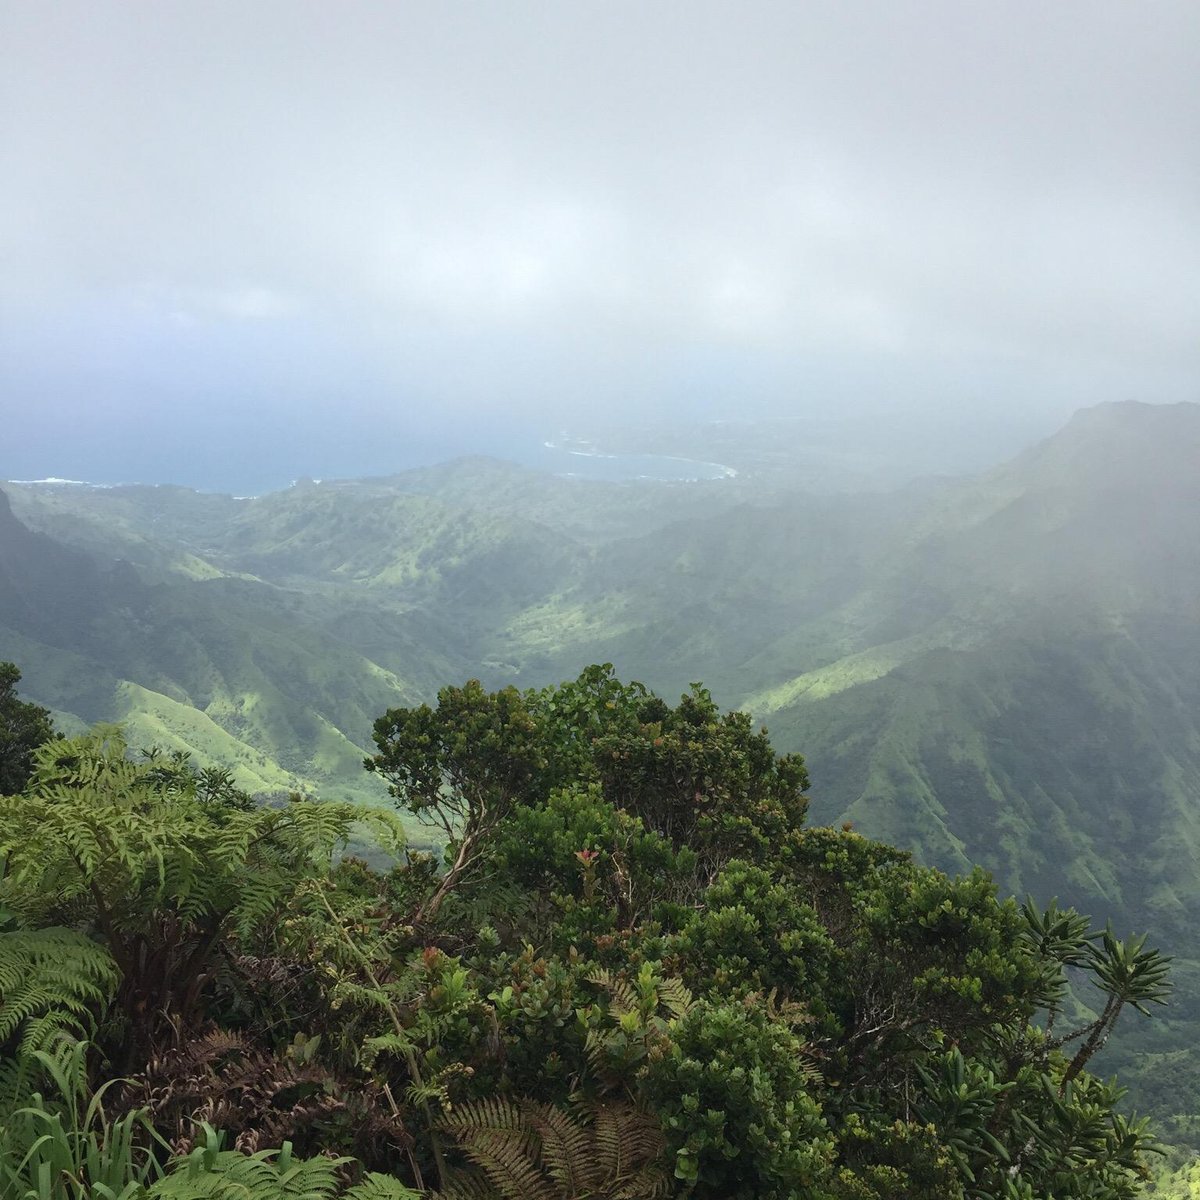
488	1113
674	997
609	1149
624	1139
533	1151
381	1187
385	1043
566	1149
493	1134
131	849
50	980
623	997
467	1184
509	1169
268	1175
649	1183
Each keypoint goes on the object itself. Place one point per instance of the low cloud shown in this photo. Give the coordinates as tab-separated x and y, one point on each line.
566	208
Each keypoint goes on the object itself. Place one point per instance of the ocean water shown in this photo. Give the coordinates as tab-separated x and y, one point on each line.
247	470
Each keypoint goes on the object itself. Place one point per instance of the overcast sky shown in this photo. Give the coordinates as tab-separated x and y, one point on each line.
342	236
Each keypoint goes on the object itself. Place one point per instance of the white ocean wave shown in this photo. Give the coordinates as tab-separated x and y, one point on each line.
55	481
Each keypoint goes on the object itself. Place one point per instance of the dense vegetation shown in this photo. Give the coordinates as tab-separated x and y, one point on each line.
23	727
636	971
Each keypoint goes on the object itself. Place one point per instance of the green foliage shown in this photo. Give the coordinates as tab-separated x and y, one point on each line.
69	1149
157	863
1183	1183
754	934
461	767
51	980
64	1146
1127	973
1057	939
23	727
703	779
883	1040
637	975
737	1103
210	1171
704	782
595	868
636	1026
1000	671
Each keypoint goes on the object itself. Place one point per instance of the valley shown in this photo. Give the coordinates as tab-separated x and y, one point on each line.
1001	669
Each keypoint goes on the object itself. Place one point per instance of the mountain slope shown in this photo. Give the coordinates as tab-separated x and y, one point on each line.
1044	721
1001	670
220	666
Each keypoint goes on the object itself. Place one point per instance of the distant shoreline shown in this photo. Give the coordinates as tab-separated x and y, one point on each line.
627	464
575	460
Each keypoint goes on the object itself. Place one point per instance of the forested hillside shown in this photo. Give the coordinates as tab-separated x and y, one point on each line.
1000	670
638	972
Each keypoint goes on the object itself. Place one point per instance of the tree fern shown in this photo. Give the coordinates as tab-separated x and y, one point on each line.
160	870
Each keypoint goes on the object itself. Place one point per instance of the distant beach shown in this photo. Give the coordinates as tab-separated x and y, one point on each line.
583	460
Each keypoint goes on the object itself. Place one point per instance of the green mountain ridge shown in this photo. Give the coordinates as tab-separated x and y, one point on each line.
214	665
1002	669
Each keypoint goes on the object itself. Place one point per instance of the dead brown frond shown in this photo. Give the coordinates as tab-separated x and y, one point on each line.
523	1150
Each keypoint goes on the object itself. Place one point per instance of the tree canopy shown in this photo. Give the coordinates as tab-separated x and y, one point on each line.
23	727
629	970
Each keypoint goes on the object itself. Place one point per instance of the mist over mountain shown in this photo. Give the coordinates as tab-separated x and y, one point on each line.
787	603
1001	669
829	370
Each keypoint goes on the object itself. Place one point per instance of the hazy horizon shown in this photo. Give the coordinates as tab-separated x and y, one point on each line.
242	244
